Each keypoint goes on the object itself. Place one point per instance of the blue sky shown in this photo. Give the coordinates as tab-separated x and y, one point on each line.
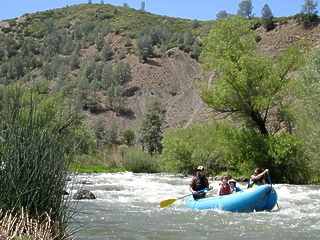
190	9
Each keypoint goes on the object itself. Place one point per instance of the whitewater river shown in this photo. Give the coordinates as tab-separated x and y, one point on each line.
127	207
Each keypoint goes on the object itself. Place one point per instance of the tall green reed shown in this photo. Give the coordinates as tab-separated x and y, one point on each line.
36	147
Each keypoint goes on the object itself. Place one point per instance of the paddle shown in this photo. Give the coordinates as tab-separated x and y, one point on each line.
271	186
168	202
269	179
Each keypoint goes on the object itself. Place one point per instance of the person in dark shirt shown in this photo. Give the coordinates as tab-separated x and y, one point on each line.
199	182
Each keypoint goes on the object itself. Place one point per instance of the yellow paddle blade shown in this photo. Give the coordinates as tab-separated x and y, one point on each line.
167	202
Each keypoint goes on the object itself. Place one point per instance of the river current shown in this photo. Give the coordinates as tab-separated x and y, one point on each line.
127	207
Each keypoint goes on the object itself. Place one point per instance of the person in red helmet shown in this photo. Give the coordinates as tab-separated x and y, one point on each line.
199	182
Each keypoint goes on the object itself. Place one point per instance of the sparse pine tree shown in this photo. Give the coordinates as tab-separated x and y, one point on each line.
245	9
267	18
310	6
222	15
143	6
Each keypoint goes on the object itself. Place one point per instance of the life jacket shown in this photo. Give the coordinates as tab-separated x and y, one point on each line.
255	183
224	190
200	183
235	189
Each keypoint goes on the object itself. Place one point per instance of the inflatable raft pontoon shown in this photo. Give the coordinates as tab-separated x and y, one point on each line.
261	198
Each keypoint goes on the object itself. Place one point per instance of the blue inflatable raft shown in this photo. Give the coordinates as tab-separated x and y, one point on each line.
261	198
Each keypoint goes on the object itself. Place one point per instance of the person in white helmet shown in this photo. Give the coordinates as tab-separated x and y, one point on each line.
233	187
199	182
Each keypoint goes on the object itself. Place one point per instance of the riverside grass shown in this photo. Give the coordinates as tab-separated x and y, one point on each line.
35	156
19	225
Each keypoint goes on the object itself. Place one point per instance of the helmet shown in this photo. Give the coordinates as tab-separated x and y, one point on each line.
200	168
232	180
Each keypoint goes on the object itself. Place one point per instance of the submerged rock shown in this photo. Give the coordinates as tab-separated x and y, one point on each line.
84	194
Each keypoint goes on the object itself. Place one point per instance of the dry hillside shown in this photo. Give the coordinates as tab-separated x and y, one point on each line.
172	78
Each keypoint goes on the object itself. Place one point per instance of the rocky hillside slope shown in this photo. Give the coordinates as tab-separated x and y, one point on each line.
173	77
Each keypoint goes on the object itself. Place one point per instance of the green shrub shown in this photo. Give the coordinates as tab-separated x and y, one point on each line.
136	160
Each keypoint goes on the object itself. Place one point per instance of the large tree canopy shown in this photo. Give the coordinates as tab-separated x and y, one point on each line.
250	86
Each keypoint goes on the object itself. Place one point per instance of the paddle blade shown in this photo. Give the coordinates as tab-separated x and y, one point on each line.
167	202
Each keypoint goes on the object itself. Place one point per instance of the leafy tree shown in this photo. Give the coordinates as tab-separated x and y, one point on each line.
250	86
122	73
106	52
310	93
222	15
158	34
188	37
116	98
196	23
245	9
111	134
2	53
310	6
145	48
128	41
196	50
151	127
99	42
107	78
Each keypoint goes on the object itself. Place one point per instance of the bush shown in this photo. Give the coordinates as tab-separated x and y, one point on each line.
306	18
134	159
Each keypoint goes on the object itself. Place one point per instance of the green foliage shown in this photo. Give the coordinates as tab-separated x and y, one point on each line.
267	18
116	98
145	48
268	23
221	148
106	52
136	160
38	140
309	112
245	9
128	137
306	18
151	127
122	73
310	6
223	15
249	86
